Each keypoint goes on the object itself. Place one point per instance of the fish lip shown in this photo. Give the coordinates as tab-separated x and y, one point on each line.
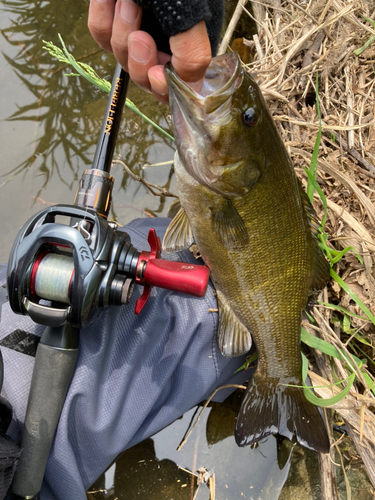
228	60
175	81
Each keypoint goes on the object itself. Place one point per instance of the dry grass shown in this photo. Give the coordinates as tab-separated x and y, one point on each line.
296	40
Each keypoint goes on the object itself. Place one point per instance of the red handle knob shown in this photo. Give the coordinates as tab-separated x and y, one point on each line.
177	276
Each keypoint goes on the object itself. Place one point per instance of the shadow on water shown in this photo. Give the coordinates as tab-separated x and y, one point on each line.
243	473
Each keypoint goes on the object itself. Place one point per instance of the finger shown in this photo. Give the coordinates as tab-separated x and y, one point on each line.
158	82
191	54
143	55
128	18
100	21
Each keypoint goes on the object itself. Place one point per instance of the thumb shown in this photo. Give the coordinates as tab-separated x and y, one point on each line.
191	54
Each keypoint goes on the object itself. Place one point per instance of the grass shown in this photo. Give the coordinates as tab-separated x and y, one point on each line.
334	256
87	72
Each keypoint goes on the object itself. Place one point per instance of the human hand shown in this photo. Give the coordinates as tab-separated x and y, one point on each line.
116	27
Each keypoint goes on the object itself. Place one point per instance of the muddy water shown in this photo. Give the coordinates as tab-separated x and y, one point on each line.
155	469
49	125
49	122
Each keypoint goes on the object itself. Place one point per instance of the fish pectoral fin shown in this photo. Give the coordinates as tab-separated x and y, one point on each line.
229	226
179	234
233	337
173	209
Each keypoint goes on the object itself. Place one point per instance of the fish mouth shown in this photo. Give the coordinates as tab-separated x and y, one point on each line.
223	76
198	118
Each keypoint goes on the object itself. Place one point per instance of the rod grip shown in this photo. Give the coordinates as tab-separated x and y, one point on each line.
53	370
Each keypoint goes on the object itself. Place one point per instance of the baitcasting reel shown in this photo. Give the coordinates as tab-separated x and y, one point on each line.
87	265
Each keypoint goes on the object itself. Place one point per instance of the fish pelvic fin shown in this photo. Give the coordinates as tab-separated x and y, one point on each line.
173	209
234	338
179	234
271	408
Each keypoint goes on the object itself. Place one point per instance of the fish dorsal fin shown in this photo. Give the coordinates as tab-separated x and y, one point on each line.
233	338
312	218
320	273
229	226
174	207
320	269
178	235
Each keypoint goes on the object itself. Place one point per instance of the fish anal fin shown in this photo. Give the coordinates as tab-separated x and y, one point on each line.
229	226
234	338
178	235
271	408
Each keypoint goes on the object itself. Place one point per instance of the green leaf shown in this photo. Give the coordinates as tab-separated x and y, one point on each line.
361	339
310	396
341	254
89	74
329	252
341	309
320	344
353	296
366	355
370	383
315	185
346	324
327	348
248	362
369	42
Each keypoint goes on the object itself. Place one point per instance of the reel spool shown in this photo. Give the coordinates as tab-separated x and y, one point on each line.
51	277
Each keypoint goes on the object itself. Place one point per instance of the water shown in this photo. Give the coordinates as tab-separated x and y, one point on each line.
49	125
49	122
155	469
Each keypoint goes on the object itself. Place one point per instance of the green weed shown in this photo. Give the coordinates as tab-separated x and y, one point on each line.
63	55
333	257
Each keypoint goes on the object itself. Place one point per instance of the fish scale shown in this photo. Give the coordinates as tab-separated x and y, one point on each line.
250	219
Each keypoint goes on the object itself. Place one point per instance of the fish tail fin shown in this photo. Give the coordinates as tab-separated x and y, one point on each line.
270	408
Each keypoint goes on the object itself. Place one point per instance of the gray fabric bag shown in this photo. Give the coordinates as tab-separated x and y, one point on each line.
134	374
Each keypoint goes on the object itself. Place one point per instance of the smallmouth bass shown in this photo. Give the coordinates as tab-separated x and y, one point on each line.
242	204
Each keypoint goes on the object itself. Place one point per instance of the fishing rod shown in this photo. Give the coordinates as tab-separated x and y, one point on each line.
58	274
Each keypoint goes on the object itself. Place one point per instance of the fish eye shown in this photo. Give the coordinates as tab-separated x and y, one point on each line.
249	117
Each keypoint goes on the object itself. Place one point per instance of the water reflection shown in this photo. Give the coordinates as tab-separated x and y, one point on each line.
140	474
251	473
50	122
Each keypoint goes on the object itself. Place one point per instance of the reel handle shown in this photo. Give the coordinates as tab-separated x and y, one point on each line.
177	276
